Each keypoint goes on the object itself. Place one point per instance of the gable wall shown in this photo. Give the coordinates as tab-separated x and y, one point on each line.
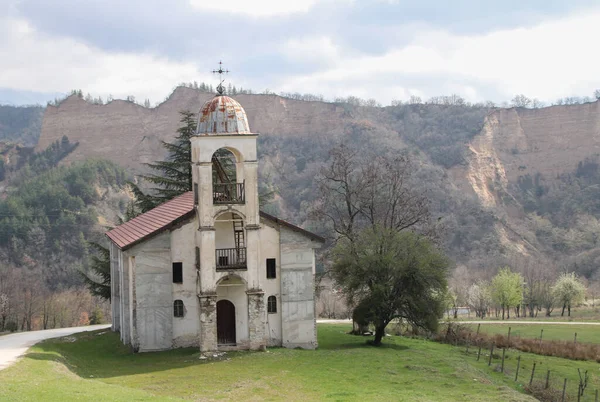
185	329
297	290
150	293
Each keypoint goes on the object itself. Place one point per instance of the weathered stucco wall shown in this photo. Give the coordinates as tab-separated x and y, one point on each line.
297	290
185	329
151	294
269	248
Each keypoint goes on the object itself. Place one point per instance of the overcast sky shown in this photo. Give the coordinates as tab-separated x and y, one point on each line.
382	49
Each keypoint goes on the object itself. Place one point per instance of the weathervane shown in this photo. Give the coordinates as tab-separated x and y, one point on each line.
220	71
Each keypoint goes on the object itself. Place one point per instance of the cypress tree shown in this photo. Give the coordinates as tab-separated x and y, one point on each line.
99	283
173	176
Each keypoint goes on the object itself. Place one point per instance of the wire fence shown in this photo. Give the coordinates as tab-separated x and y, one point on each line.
537	377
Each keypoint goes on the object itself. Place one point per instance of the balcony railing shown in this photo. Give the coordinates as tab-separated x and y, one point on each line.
228	193
231	258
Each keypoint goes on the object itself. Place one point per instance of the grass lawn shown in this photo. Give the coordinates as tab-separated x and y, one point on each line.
585	333
95	366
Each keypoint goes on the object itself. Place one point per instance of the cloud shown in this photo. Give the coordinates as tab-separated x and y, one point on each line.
547	61
256	8
52	64
383	49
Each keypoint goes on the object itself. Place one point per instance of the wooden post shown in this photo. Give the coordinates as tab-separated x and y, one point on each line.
491	354
468	342
532	374
564	390
575	339
541	336
479	353
518	366
503	353
478	326
508	337
547	379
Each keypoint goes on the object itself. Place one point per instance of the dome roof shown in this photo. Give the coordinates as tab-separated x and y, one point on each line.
222	115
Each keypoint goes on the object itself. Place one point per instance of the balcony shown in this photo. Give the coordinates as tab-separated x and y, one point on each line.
228	193
231	259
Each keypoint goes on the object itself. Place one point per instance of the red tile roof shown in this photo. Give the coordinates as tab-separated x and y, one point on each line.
153	221
168	215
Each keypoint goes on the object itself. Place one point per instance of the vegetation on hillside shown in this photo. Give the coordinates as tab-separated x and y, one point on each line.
21	124
47	216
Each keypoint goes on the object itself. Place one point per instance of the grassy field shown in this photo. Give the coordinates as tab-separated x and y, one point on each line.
585	333
94	366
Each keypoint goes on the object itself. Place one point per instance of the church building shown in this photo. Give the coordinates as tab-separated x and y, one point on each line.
208	268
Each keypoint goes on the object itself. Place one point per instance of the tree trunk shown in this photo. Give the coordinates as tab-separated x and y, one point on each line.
379	332
563	310
502	312
569	309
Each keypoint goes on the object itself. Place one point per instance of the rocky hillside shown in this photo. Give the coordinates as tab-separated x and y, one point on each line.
493	174
130	134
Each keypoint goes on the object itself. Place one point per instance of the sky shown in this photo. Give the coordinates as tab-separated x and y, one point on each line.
381	49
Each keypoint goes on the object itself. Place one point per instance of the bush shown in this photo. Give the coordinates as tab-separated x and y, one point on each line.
11	326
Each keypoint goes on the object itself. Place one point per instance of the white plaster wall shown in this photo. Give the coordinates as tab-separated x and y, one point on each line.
203	147
224	232
115	287
269	248
151	293
185	329
237	295
297	290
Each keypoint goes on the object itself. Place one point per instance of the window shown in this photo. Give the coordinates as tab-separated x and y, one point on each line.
177	272
271	268
271	304
178	308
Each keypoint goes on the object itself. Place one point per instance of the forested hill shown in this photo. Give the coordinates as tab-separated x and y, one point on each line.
504	182
21	124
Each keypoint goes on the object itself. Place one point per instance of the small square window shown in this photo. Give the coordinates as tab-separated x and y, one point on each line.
272	305
271	268
177	272
178	310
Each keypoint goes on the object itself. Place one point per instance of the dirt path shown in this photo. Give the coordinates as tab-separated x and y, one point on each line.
13	346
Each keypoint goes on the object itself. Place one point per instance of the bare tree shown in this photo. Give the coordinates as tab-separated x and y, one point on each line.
362	190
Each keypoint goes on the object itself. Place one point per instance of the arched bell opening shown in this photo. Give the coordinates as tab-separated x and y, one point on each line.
230	242
227	178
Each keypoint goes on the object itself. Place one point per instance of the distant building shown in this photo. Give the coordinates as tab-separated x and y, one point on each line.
209	269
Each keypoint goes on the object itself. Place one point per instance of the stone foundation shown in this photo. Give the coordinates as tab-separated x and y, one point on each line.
257	320
208	322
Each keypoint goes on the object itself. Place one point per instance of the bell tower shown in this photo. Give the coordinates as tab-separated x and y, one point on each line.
225	182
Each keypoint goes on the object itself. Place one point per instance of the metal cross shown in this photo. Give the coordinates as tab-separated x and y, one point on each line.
220	71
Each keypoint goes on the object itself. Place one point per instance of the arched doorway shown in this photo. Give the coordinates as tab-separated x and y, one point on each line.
225	323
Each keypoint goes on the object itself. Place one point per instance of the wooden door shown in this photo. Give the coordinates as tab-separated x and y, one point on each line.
225	322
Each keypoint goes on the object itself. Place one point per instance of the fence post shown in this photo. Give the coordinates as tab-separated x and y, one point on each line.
547	379
479	353
575	339
491	354
478	326
503	353
564	390
532	374
541	336
508	337
518	365
468	342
